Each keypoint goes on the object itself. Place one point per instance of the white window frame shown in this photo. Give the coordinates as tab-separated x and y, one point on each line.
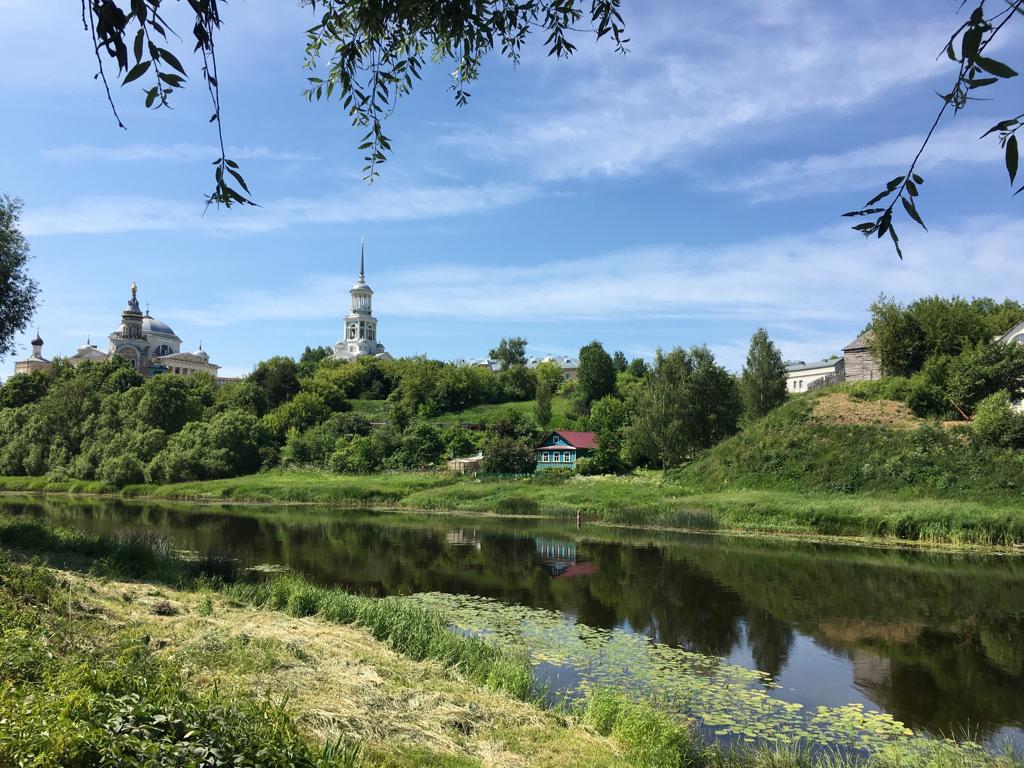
545	457
557	457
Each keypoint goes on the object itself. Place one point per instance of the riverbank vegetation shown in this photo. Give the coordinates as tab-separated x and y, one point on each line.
280	672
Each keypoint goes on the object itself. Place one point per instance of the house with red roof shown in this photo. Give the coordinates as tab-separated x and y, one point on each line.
561	448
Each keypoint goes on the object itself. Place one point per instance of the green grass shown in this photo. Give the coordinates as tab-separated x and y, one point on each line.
643	499
374	410
75	692
488	414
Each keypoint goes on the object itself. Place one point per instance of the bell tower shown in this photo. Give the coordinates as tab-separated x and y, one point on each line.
360	325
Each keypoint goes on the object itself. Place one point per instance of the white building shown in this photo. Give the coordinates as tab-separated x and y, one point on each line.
360	325
151	346
800	376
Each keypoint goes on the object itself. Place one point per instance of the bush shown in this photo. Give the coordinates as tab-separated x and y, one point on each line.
121	470
996	423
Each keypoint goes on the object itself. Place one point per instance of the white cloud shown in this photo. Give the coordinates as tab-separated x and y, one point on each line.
811	291
175	153
111	214
707	79
864	166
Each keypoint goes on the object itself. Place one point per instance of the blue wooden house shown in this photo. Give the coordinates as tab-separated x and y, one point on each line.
561	448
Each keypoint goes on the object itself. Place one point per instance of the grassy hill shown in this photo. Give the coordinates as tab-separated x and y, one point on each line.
377	410
834	443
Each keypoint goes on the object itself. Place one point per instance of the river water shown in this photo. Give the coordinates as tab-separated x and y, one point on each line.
934	638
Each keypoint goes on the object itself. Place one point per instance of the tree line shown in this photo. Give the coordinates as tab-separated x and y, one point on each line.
103	421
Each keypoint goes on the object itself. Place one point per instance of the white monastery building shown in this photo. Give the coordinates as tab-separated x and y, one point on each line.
360	338
151	346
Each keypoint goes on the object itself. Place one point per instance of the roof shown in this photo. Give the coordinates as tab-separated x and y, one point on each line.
152	325
585	440
861	342
1010	333
189	357
810	366
561	361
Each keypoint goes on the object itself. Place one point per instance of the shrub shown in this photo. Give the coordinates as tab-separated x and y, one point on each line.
996	423
121	470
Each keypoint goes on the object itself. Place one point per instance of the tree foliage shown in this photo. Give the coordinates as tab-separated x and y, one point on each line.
596	374
688	404
510	352
967	48
907	336
367	54
763	382
542	408
18	291
996	423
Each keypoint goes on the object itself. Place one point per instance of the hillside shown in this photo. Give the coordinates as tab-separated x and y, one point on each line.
833	443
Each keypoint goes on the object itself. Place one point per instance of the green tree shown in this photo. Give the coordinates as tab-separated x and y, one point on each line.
18	292
609	418
619	361
421	447
552	372
506	455
169	402
763	382
458	442
596	374
510	352
279	378
689	403
984	370
639	368
996	423
242	395
542	407
23	388
311	358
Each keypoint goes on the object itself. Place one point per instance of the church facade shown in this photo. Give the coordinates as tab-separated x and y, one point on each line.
360	339
151	346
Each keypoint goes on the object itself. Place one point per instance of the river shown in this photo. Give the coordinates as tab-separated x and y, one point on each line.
936	639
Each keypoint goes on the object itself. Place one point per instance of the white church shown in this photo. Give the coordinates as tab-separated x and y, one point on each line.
360	325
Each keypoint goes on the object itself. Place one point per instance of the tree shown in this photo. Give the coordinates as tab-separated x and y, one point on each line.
763	382
311	358
279	377
984	370
688	404
907	336
542	408
619	361
18	292
508	456
596	374
608	419
366	53
510	352
996	423
639	368
552	372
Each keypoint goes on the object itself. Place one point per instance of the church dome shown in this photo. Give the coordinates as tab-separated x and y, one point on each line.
152	325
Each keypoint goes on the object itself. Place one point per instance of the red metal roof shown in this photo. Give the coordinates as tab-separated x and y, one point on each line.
574	439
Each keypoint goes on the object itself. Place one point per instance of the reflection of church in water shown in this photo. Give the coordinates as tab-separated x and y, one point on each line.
151	346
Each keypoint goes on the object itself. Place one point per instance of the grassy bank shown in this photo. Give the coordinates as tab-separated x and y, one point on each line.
95	670
639	500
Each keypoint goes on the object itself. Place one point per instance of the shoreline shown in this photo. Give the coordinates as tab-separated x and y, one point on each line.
13	487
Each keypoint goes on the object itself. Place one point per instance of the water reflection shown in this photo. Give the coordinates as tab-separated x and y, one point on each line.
937	639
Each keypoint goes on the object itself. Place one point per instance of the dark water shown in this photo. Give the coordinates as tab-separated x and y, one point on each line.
936	639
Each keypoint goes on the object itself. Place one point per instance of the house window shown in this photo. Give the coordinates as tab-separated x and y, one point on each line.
567	456
558	456
545	457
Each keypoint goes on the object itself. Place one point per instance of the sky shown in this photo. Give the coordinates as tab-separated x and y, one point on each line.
685	193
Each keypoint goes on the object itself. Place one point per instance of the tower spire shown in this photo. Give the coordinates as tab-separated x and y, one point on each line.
362	260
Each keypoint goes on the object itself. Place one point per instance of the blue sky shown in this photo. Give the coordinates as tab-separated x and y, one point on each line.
686	193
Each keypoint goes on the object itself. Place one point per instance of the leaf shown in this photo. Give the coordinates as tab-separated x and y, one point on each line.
950	52
994	67
896	242
980	82
911	188
893	183
1011	157
1000	126
171	59
138	46
136	72
908	204
878	197
918	179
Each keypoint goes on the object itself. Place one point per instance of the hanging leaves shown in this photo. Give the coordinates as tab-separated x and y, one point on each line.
975	71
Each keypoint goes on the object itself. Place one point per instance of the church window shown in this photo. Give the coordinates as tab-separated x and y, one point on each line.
352	331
